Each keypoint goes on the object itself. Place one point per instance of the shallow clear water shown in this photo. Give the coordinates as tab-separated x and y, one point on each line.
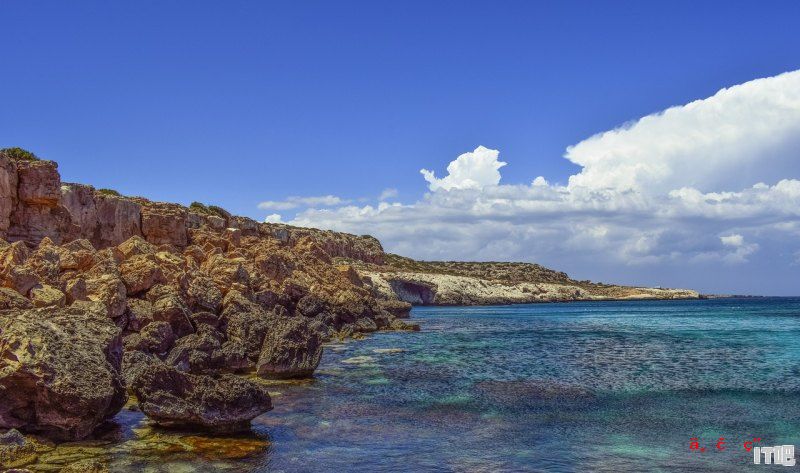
619	386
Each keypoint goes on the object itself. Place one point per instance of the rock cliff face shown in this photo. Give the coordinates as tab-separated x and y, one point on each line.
99	291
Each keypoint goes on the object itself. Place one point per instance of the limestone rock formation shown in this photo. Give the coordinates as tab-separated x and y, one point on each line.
173	398
59	372
466	283
292	349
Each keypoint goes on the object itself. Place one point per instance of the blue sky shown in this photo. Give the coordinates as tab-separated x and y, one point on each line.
236	103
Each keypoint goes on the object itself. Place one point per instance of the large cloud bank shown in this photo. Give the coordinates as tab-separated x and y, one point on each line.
708	182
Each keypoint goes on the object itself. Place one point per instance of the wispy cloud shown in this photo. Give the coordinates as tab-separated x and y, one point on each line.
294	202
388	193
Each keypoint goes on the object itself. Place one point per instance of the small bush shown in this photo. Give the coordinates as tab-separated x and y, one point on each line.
109	192
209	210
219	211
199	208
18	154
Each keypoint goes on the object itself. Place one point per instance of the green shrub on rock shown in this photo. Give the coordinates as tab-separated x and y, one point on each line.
109	192
18	154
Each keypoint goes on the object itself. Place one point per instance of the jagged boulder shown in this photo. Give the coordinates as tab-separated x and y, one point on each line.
203	318
140	273
47	296
75	289
76	255
156	338
292	349
11	299
168	306
59	372
207	352
365	325
139	313
174	398
244	322
402	325
227	272
110	290
204	294
134	363
136	246
310	305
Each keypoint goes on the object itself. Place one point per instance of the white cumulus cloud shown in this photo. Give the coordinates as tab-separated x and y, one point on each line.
713	181
741	135
474	170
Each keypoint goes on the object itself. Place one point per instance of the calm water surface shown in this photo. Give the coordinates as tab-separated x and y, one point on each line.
549	387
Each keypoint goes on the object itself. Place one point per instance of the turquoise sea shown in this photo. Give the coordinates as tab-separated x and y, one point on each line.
603	386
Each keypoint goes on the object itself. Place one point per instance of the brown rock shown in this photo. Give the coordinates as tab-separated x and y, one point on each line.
76	255
134	363
11	299
8	193
45	262
397	324
227	272
207	352
165	223
200	319
59	372
39	183
173	398
244	322
204	294
136	246
292	349
47	296
75	290
365	325
21	279
110	290
155	338
310	305
140	273
397	308
140	313
169	307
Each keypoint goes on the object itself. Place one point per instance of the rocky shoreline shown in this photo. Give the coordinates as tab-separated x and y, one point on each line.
465	283
182	311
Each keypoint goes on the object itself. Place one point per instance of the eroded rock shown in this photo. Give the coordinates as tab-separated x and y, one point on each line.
59	372
292	349
174	398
